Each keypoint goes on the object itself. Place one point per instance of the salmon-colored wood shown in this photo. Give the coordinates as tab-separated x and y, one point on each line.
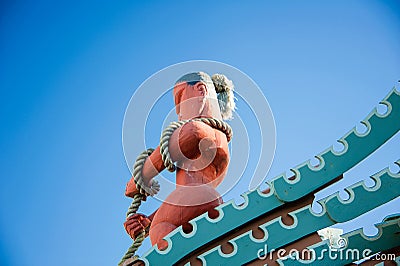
202	157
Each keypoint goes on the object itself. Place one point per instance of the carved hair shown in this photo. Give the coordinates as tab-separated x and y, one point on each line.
223	87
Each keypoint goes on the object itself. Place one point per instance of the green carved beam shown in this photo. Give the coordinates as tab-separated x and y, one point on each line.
356	148
355	206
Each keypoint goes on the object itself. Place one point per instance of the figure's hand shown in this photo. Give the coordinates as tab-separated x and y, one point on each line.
136	223
131	190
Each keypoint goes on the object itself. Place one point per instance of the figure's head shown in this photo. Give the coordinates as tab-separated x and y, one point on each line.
196	95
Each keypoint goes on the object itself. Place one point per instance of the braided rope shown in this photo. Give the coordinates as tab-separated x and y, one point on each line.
164	142
168	131
217	124
130	253
137	175
137	200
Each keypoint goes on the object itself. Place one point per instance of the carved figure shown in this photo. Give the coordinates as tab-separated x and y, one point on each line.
198	145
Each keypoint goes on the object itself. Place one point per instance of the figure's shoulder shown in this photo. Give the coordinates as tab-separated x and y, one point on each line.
197	129
192	132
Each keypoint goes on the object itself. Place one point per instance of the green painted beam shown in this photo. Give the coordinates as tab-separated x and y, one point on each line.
306	221
357	148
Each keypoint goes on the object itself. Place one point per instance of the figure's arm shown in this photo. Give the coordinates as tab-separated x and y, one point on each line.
152	166
137	223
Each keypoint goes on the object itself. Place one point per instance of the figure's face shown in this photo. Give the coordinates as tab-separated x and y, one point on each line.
190	100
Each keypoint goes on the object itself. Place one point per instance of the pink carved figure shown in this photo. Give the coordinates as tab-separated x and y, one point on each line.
199	151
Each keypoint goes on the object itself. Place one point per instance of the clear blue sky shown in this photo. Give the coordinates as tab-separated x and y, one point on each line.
68	70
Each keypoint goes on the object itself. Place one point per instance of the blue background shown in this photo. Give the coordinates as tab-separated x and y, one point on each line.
68	70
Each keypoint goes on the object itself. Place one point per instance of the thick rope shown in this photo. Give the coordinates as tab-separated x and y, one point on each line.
167	133
137	175
137	200
217	124
164	142
130	253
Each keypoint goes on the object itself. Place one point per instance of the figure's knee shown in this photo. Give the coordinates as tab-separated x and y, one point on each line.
158	232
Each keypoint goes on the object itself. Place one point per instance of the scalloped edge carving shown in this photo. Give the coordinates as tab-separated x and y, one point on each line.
306	175
307	221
